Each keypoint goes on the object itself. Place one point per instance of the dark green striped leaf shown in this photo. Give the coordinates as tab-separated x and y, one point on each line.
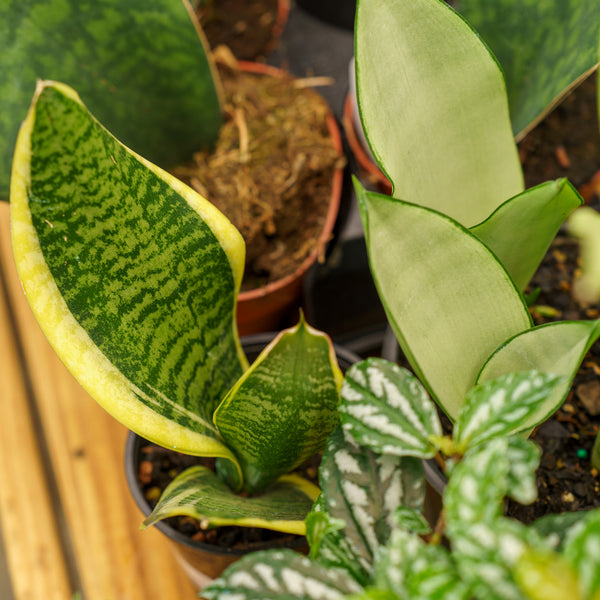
199	493
543	48
140	66
364	490
280	575
385	408
520	231
502	406
132	275
283	408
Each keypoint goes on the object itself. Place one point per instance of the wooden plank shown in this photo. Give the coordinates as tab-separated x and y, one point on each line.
114	559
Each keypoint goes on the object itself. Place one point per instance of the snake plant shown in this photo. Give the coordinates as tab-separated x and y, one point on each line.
140	65
369	538
133	278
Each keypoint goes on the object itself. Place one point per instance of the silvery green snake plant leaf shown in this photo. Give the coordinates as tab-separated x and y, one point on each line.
133	278
451	320
544	48
141	67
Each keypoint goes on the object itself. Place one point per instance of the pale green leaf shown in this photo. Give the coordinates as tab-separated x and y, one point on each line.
557	348
132	276
543	48
140	66
284	407
447	318
364	489
584	224
280	575
502	406
385	408
520	231
433	104
199	493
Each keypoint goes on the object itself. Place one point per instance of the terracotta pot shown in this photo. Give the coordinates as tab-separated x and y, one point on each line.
203	562
264	308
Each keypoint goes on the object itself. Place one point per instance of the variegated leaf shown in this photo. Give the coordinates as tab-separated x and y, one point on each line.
281	411
364	489
523	460
411	568
502	407
582	551
199	493
556	527
280	575
385	408
411	520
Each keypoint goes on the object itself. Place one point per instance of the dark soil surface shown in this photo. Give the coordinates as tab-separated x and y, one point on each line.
249	28
566	144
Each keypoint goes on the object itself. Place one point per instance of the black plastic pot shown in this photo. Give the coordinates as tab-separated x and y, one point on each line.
335	12
203	562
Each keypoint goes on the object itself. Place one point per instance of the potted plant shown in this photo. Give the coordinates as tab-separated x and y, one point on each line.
133	278
368	536
159	90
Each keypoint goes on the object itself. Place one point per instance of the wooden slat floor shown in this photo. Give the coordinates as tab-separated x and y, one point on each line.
67	520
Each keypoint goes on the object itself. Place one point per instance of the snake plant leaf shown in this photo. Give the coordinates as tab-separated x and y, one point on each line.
284	407
500	407
385	408
364	489
581	551
557	348
520	231
141	67
433	105
584	224
413	569
447	319
544	48
280	575
199	493
132	276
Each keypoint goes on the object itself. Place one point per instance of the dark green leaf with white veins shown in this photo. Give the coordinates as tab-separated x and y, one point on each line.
140	66
413	569
283	408
502	406
280	575
132	276
364	489
198	492
385	408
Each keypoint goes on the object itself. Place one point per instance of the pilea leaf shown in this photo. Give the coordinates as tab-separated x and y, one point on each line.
433	104
280	575
555	348
142	68
412	569
447	319
544	49
385	408
411	520
502	406
199	493
283	408
132	276
520	231
364	489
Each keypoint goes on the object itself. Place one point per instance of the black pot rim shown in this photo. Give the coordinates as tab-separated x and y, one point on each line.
252	344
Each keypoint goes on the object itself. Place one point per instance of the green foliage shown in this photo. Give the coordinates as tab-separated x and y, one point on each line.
141	67
134	280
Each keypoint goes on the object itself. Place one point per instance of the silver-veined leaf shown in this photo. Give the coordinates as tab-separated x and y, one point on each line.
132	275
447	318
385	408
199	493
520	231
280	575
557	348
502	406
281	411
432	101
